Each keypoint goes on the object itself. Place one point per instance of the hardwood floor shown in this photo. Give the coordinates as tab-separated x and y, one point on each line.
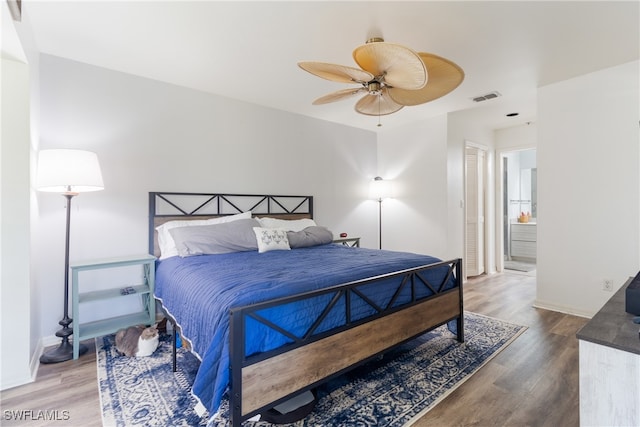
66	393
533	382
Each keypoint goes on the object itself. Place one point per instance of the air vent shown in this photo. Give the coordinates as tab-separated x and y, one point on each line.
486	97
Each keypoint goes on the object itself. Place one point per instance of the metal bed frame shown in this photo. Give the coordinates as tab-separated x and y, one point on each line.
259	382
168	206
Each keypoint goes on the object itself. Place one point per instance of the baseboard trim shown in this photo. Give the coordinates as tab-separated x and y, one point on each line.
35	359
562	309
15	382
43	343
34	363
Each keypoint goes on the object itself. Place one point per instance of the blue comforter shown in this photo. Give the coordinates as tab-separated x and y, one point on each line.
199	292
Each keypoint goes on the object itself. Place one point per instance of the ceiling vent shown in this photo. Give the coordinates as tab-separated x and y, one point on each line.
486	97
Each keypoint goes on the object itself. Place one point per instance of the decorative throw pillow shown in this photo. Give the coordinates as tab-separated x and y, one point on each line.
310	236
271	239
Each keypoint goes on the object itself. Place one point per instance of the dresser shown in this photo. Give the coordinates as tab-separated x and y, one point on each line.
609	366
523	240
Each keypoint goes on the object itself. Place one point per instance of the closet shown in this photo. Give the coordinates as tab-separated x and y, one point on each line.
475	207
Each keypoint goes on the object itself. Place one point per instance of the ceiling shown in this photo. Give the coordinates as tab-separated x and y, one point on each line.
249	50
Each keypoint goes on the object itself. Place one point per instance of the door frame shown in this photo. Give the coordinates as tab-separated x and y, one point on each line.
500	154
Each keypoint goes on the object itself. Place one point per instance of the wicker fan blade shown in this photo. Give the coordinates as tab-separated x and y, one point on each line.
444	76
339	95
336	73
377	105
400	66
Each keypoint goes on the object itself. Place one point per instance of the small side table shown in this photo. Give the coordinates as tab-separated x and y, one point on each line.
352	242
147	316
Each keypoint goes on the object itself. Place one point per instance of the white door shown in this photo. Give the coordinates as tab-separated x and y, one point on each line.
475	166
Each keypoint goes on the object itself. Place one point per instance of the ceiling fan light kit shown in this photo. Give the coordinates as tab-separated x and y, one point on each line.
390	76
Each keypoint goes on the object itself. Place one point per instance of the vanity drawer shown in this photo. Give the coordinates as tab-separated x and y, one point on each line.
523	240
523	249
523	232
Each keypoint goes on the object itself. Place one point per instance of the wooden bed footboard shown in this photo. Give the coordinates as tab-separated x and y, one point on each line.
259	382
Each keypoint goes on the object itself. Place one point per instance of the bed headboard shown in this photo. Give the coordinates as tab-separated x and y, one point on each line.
169	206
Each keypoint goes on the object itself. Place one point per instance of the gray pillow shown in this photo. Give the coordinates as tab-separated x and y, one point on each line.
235	236
310	236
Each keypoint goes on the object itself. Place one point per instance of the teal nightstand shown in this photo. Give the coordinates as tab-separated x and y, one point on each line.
83	331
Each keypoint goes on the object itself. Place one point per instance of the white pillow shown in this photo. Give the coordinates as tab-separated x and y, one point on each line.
287	224
168	245
271	239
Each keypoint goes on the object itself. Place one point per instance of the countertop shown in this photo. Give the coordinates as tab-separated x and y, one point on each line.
612	326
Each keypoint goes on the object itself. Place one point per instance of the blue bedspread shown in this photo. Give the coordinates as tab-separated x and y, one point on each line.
199	292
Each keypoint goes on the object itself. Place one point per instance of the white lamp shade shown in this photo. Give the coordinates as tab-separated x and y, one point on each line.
379	189
68	171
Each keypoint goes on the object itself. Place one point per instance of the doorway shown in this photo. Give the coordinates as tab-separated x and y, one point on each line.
518	206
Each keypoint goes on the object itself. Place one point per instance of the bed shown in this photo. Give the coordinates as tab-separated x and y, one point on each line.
268	325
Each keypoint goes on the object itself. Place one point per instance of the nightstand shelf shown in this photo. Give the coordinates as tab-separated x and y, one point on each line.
144	291
111	293
109	326
352	242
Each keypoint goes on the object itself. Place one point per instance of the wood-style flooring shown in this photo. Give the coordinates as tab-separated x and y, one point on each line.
67	390
533	382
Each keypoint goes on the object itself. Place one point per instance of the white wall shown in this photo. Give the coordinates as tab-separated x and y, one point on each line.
15	325
588	180
517	137
415	158
151	136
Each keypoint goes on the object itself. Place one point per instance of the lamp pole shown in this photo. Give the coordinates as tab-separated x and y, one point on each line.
379	189
380	222
65	350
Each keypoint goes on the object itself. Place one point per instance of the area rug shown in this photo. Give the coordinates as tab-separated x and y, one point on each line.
393	390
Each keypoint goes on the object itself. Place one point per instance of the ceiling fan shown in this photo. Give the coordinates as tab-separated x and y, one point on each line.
390	77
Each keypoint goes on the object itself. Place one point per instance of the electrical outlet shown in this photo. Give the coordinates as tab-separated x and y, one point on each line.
607	285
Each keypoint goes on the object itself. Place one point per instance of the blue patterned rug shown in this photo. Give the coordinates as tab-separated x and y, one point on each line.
392	390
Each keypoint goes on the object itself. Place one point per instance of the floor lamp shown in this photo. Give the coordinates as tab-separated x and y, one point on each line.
379	189
68	172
